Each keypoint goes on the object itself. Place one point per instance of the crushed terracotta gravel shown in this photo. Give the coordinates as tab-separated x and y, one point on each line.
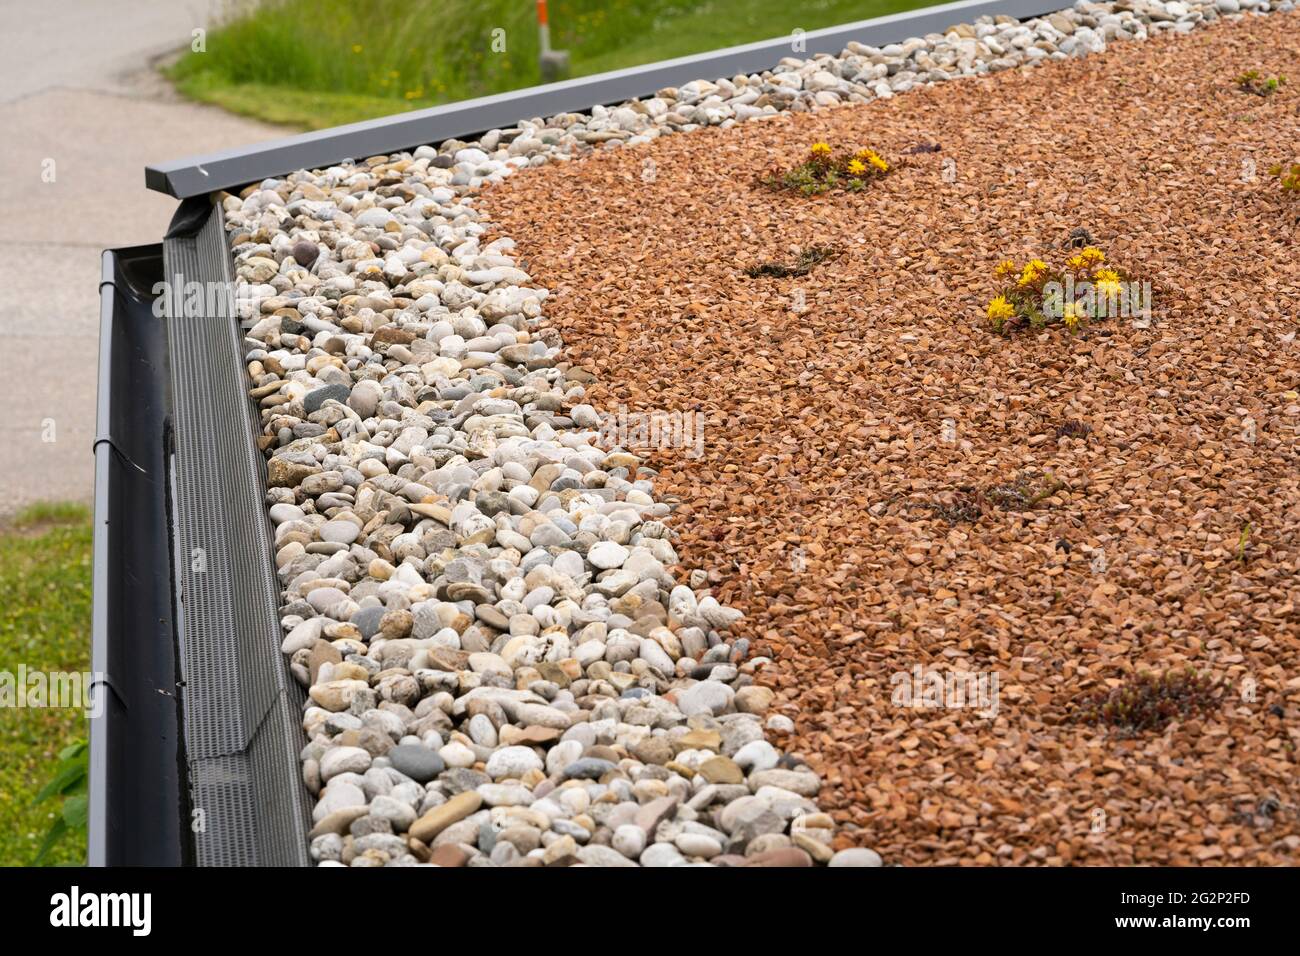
825	437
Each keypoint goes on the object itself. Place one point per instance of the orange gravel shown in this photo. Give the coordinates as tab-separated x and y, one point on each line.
825	439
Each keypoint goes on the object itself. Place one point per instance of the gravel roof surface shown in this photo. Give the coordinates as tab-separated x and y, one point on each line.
825	447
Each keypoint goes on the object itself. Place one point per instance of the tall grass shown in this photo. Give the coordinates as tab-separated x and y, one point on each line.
319	62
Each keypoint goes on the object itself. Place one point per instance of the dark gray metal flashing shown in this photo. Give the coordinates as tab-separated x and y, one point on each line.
242	707
470	118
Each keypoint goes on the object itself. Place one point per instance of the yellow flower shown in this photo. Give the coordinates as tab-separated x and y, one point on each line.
999	310
1108	284
1092	255
1109	287
872	157
856	168
356	48
1032	271
1005	268
821	149
1071	315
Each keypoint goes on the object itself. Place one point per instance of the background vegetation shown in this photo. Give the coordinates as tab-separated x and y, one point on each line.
45	560
319	63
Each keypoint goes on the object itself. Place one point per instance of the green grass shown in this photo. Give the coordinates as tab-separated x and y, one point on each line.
319	63
45	557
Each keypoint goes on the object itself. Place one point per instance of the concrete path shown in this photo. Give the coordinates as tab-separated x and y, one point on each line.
82	111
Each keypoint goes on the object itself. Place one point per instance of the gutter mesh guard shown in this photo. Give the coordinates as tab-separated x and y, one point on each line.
241	704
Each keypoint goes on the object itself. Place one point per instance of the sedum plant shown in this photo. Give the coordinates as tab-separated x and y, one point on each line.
823	170
1288	174
1082	290
1252	81
1149	702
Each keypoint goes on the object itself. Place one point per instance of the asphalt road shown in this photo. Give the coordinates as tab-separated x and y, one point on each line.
82	111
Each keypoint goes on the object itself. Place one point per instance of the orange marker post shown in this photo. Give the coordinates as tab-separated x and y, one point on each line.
543	27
